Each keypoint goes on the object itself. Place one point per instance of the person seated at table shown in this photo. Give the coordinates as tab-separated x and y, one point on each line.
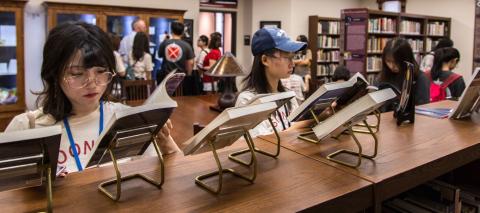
273	53
396	52
341	74
446	59
78	65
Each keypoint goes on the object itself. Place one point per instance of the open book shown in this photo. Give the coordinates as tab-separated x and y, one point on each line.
353	113
132	129
23	155
228	127
166	88
470	100
342	92
279	98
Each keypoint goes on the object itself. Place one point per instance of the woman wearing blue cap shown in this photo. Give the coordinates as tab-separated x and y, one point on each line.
273	53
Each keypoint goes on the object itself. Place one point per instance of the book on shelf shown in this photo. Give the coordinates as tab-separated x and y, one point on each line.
430	44
410	27
374	64
329	27
469	102
326	69
24	154
352	113
326	94
382	25
416	44
328	56
436	28
327	42
228	127
376	44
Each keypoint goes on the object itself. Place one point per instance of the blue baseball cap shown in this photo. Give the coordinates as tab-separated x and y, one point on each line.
270	38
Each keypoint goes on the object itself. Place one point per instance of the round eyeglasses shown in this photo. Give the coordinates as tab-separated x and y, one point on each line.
78	77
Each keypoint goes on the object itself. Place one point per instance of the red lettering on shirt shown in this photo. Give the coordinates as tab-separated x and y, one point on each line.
87	146
78	150
62	157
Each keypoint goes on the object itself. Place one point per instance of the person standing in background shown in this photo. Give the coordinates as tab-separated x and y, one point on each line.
140	59
211	58
175	53
138	25
202	43
302	61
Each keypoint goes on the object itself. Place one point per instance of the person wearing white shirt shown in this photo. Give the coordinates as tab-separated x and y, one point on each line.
138	25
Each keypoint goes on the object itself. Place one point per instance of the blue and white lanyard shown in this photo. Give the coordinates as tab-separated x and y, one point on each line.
72	142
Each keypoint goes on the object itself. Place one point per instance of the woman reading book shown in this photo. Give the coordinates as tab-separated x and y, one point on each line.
395	55
273	55
78	65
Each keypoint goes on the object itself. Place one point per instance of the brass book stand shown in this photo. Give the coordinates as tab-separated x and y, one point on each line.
124	143
358	153
225	134
233	156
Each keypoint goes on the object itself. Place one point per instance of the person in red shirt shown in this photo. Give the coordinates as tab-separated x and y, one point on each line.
211	58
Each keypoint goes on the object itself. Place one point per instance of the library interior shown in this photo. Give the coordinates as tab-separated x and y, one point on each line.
240	106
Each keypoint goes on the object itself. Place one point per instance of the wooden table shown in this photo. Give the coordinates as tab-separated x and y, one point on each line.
407	156
290	183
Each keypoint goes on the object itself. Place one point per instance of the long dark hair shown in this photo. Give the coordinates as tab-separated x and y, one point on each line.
257	78
442	43
140	46
443	55
215	41
63	43
304	39
400	50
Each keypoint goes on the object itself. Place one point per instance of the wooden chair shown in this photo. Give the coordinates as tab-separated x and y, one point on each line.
135	92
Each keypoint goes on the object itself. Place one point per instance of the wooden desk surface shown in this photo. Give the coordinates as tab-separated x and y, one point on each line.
290	183
407	156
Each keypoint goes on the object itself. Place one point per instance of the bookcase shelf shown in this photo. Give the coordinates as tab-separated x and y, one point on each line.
365	35
325	39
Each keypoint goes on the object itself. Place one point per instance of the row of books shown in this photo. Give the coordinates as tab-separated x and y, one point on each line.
329	27
374	63
381	25
328	56
376	45
416	44
436	28
410	27
327	42
326	69
371	78
430	43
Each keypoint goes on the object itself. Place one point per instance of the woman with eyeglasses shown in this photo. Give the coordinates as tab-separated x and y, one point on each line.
273	53
78	65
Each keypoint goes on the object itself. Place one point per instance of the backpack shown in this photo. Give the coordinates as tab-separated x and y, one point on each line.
438	92
130	75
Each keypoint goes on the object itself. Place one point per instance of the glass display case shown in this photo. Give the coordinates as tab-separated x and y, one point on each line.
12	96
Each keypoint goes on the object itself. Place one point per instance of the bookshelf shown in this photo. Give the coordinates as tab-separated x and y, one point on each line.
12	77
367	32
325	43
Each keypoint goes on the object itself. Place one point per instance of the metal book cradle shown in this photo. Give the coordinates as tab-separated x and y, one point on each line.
30	162
276	153
130	136
212	138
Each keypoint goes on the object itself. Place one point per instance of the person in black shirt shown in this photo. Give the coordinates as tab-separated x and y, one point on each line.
176	53
396	52
446	59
